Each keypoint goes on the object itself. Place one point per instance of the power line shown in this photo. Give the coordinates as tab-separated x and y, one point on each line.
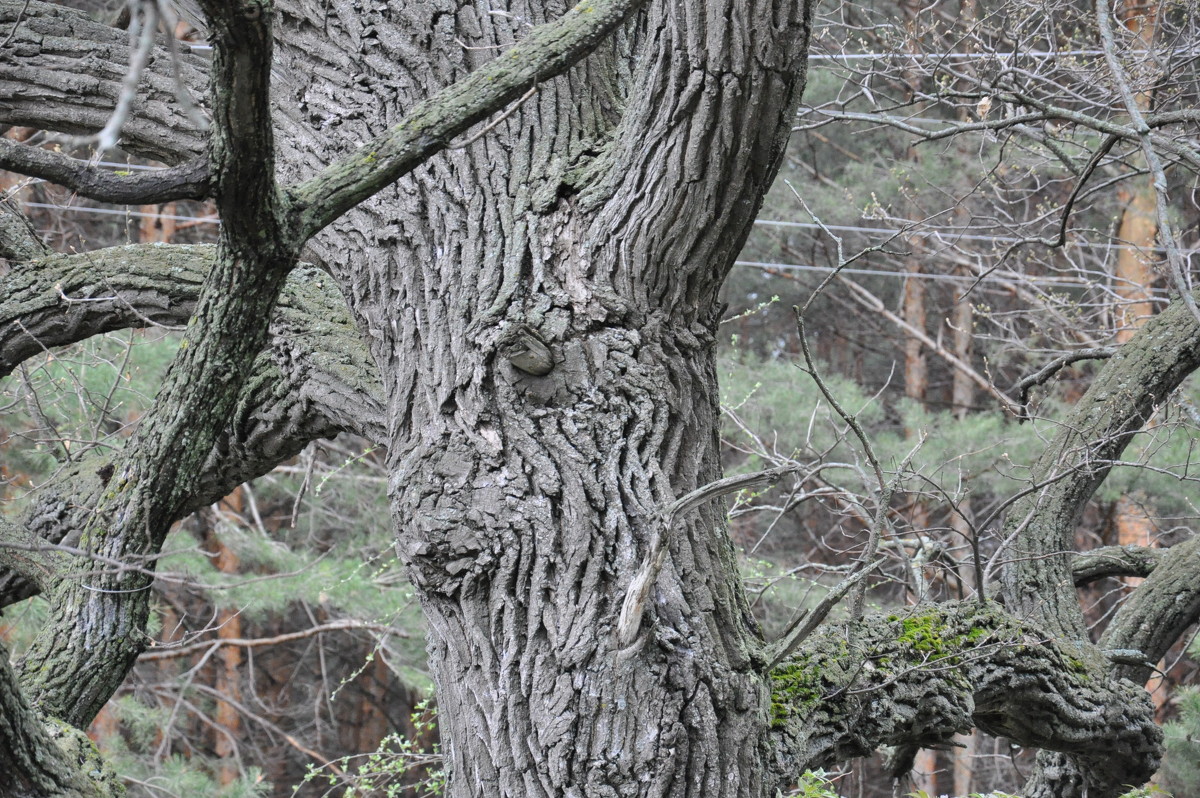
944	236
1063	282
114	212
1048	54
1060	282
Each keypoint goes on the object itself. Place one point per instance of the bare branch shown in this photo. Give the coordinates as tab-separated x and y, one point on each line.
1109	561
187	181
546	51
1042	375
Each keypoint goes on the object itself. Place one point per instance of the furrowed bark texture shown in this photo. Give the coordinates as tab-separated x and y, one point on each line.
314	381
1139	561
1153	617
524	502
1132	384
540	302
1038	581
46	759
916	680
63	72
97	617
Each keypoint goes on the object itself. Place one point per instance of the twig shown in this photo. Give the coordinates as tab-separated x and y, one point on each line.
17	24
168	651
1166	233
874	303
143	31
804	626
494	123
632	608
1047	371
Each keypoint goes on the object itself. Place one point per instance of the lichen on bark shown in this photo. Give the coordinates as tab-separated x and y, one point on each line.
919	678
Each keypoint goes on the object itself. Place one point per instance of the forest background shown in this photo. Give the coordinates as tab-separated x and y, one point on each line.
963	315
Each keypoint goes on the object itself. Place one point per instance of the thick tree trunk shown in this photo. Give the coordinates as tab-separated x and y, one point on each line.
540	304
524	553
597	220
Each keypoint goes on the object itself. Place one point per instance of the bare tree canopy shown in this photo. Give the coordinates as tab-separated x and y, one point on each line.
492	242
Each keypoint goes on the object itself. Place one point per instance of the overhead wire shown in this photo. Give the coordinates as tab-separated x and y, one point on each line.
945	236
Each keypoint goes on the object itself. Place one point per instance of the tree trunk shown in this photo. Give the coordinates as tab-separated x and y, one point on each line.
1134	274
540	301
525	490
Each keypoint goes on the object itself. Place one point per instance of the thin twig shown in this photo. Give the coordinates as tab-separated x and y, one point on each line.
493	124
630	620
17	24
1166	233
1047	371
804	626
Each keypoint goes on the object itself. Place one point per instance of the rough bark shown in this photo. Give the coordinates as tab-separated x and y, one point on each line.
97	615
1108	561
1153	617
1132	384
540	302
43	758
1038	580
63	72
18	241
187	181
917	679
524	502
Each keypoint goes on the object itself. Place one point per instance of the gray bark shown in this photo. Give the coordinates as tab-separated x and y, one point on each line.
594	224
917	679
45	758
314	380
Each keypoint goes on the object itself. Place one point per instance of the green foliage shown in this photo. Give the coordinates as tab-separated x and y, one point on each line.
79	398
1149	791
398	765
136	756
814	784
1157	458
997	794
1181	763
315	535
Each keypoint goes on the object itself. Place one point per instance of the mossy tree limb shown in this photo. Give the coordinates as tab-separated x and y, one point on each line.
42	758
1129	388
920	678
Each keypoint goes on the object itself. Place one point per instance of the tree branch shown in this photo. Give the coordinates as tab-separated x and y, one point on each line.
63	72
61	300
18	241
187	181
920	679
548	50
316	380
1139	561
873	302
46	758
1160	609
342	625
1042	375
1133	383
